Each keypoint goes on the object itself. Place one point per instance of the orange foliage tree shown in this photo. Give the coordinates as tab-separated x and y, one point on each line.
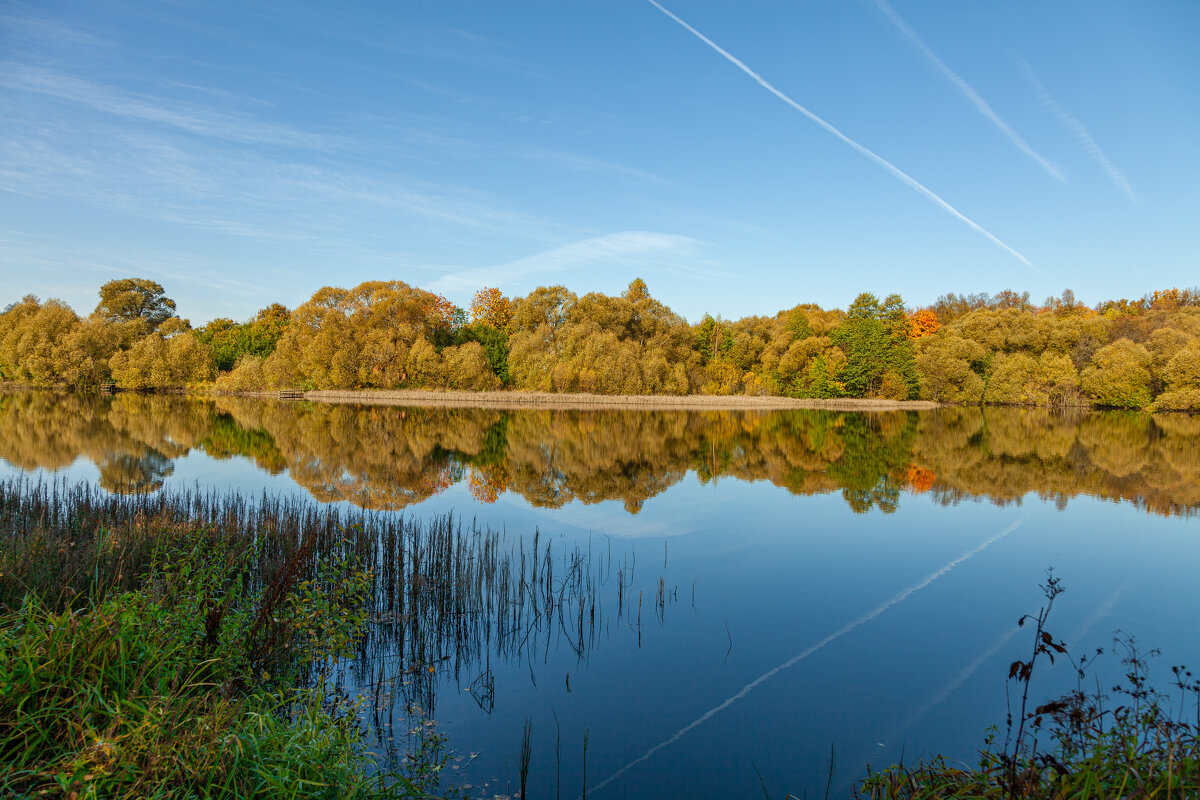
922	323
442	316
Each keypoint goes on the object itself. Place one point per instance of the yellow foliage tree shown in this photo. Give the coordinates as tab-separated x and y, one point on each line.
364	336
168	358
466	367
1119	376
33	339
491	307
944	366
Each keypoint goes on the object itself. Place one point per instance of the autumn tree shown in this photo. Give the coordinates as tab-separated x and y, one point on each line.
922	322
491	314
1183	370
536	339
792	353
466	368
33	338
47	344
130	299
1119	376
1021	379
87	351
443	318
168	357
490	307
247	375
950	367
629	344
714	338
951	306
495	347
1007	298
346	338
1182	376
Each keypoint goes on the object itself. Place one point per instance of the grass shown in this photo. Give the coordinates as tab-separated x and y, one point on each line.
117	701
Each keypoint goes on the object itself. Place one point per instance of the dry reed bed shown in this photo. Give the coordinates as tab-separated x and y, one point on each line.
518	399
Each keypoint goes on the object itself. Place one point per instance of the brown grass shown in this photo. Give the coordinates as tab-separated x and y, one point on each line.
519	399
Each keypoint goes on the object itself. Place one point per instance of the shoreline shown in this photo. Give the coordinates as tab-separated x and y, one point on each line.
522	399
515	399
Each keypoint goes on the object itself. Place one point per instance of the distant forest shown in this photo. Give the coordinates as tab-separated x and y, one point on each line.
970	349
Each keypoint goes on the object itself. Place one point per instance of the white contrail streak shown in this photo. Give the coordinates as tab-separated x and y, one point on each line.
968	90
1081	133
887	165
803	654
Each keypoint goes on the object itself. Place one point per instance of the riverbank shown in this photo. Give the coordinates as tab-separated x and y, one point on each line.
519	399
435	398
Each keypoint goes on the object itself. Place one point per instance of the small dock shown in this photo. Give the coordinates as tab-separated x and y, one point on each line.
291	394
107	388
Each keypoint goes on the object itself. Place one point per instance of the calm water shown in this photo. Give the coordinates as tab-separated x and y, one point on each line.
807	580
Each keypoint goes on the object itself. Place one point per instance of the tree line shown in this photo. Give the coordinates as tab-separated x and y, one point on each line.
971	349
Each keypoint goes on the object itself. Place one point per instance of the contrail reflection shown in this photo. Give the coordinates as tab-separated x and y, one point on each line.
796	659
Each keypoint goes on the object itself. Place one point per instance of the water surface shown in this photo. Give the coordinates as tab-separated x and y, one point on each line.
808	580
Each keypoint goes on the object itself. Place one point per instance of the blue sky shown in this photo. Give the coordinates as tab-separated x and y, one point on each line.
244	153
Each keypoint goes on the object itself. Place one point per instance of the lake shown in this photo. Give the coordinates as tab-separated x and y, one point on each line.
738	595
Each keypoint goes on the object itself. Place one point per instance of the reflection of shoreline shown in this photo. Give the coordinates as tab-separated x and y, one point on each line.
567	400
389	456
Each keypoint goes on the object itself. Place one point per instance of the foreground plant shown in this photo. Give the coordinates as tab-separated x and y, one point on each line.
1136	742
197	676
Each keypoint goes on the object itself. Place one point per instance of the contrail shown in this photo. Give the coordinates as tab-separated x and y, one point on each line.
969	91
1081	133
887	165
803	654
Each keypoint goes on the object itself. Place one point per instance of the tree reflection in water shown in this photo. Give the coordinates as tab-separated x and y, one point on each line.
388	458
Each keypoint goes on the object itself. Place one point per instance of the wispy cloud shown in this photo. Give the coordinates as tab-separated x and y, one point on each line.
42	31
637	249
895	171
580	163
1080	132
194	119
57	265
245	191
973	96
